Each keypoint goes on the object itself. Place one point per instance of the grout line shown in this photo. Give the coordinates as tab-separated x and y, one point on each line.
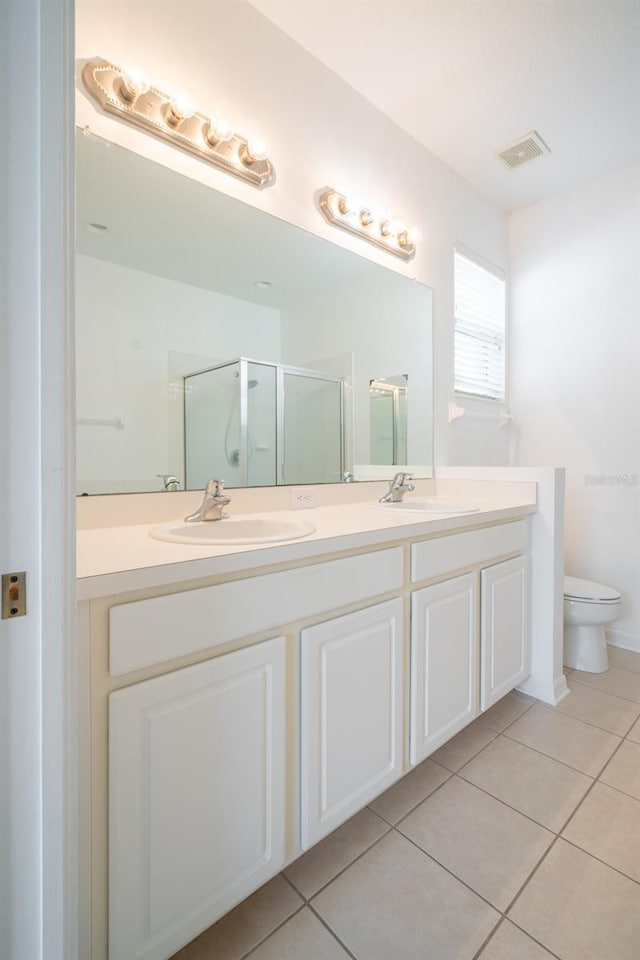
424	799
535	939
530	877
485	943
593	856
563	762
419	803
527	816
332	932
271	932
619	696
450	872
315	893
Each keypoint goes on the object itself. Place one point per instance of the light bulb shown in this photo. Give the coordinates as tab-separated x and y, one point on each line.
345	205
354	204
134	83
180	108
218	131
408	237
385	228
255	150
366	217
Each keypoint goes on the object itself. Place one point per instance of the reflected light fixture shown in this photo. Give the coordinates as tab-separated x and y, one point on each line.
363	219
128	95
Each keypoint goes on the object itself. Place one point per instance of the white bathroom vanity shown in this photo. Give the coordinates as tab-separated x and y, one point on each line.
244	701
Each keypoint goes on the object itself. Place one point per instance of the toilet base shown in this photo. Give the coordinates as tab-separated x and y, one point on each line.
585	648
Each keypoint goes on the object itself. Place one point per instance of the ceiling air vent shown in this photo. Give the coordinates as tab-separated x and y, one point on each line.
526	148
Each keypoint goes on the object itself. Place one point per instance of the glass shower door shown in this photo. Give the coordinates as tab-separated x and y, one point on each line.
212	426
311	431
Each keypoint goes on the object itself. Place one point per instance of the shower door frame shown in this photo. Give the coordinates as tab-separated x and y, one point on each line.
282	370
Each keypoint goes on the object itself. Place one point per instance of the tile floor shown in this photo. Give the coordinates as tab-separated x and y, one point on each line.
518	840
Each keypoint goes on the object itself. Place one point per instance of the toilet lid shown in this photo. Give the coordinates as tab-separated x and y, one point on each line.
577	589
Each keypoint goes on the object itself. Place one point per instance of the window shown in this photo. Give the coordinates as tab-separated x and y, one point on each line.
479	339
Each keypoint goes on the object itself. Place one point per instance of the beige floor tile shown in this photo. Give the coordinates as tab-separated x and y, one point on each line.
623	772
607	824
484	843
634	733
411	790
624	659
249	923
465	745
536	785
579	908
302	937
395	903
323	862
619	683
601	709
505	711
570	741
509	943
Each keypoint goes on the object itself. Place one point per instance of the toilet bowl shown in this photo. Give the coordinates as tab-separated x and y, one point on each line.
587	608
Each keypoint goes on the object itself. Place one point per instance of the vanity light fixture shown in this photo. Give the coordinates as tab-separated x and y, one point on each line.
358	217
128	94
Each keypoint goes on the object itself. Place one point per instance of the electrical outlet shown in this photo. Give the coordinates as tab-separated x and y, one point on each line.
303	497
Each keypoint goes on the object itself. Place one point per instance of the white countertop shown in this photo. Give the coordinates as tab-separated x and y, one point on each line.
121	559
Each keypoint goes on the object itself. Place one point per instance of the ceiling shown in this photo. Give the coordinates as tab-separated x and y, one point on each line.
467	77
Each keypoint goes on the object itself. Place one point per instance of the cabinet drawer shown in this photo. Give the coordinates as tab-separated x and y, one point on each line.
152	631
431	558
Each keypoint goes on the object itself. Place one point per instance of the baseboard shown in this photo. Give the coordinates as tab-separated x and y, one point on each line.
626	641
551	692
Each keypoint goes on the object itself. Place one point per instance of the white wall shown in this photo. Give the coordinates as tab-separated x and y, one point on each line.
575	373
390	323
320	132
137	333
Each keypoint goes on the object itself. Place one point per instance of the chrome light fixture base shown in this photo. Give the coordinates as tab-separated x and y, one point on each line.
155	112
359	219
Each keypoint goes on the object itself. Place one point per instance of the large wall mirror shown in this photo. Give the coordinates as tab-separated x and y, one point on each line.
216	340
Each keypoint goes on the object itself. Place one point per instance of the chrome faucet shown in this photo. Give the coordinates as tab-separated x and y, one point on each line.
169	482
212	503
397	488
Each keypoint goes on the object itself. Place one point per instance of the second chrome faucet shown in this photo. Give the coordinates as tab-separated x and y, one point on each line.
212	503
397	488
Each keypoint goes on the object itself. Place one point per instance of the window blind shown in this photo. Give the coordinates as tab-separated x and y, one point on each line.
479	338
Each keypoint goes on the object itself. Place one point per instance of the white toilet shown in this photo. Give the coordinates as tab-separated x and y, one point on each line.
587	608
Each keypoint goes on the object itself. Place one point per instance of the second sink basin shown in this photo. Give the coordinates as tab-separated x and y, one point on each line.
429	505
233	531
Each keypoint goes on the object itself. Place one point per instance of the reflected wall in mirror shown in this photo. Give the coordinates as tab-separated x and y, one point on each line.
388	404
173	279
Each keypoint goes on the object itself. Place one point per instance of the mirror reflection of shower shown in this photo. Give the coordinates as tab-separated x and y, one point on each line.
388	419
257	423
233	456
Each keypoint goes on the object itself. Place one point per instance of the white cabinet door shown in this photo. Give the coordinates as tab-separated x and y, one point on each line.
351	739
444	662
196	797
504	634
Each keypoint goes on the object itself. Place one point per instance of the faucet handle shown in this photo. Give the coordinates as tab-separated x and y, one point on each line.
214	488
400	478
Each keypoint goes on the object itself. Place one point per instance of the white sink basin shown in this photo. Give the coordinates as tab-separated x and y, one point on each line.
232	531
428	505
